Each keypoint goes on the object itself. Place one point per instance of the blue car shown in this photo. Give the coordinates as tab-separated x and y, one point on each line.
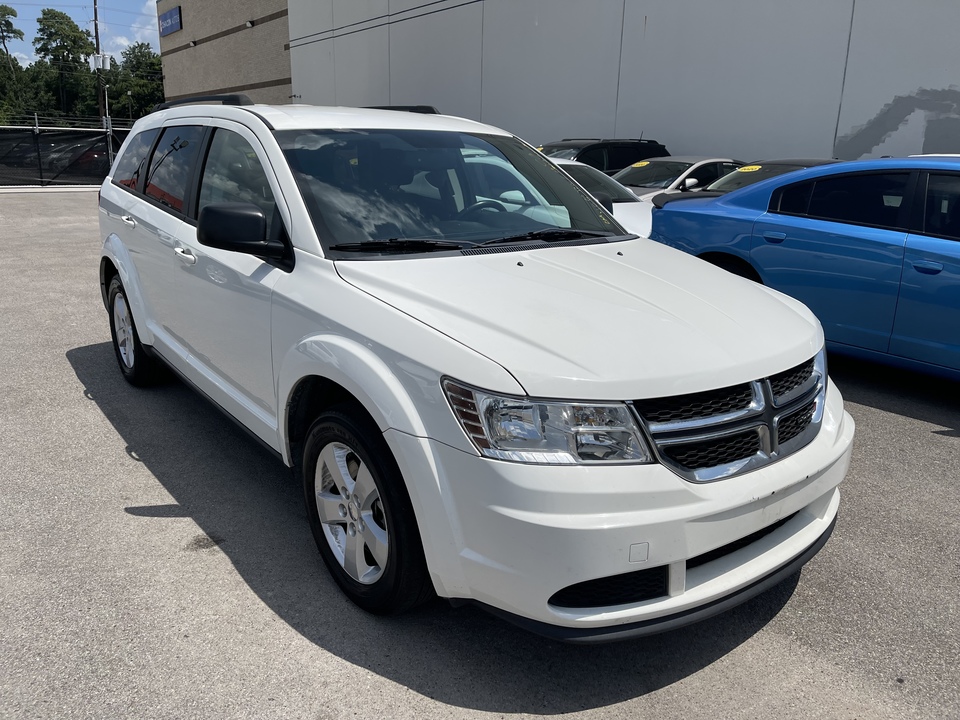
871	246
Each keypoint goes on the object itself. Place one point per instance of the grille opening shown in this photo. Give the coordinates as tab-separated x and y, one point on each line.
795	423
789	380
632	587
695	406
711	453
736	544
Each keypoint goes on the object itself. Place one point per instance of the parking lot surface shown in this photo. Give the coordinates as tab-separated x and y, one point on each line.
156	562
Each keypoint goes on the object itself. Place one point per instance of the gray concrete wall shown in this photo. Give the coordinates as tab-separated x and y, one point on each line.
227	55
746	78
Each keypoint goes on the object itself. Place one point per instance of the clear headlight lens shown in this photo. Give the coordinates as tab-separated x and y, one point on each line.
547	433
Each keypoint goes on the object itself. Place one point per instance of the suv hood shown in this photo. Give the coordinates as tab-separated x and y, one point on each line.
612	321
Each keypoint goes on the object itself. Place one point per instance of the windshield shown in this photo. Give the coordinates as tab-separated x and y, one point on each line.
563	153
383	191
595	181
652	173
748	175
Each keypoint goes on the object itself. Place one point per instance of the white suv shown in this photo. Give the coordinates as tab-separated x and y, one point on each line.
489	390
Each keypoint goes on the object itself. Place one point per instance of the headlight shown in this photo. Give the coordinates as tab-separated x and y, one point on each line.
547	432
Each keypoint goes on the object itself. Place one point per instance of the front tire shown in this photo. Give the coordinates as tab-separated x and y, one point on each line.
137	367
360	514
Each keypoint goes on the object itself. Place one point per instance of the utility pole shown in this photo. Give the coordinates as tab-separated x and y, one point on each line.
96	37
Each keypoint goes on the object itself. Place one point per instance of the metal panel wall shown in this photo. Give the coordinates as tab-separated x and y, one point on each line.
901	93
746	78
742	78
435	59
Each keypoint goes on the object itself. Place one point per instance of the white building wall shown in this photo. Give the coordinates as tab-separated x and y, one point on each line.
746	78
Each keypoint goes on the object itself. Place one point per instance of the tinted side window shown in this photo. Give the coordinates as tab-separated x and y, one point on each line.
171	164
706	174
942	206
619	156
594	157
233	173
868	199
131	163
795	199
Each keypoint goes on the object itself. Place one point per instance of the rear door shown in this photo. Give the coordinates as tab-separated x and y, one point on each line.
927	325
837	245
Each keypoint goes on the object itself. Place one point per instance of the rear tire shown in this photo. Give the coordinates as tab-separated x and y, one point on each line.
361	515
137	367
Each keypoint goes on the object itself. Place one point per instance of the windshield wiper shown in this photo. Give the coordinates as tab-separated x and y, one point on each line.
548	235
398	245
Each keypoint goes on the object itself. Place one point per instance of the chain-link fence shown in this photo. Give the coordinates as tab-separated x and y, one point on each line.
56	156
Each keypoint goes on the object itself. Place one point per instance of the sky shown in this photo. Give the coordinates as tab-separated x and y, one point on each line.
122	23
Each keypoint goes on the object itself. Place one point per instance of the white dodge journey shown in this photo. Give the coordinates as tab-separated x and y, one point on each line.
488	389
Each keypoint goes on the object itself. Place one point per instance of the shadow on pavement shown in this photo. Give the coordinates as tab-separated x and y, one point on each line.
928	398
247	504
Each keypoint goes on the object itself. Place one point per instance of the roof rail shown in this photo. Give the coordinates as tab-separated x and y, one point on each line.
422	109
570	139
236	99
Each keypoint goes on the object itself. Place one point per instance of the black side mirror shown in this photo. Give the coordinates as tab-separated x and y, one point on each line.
605	200
238	227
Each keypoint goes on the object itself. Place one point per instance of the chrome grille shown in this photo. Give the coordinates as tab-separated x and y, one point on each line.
785	385
721	433
790	426
696	405
718	451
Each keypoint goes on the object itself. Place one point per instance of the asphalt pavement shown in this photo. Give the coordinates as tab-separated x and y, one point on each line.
157	563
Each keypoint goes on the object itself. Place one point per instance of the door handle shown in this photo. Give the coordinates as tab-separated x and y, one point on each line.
127	220
188	257
774	237
927	267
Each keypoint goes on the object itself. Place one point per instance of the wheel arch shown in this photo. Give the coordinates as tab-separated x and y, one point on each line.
733	264
323	371
115	261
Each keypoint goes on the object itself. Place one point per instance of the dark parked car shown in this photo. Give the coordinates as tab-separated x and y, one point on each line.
611	156
872	247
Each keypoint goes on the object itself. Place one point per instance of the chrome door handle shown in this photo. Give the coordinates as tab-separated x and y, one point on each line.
927	267
128	220
188	257
774	237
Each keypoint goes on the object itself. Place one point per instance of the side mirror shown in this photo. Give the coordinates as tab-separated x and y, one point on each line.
514	197
689	184
605	200
238	227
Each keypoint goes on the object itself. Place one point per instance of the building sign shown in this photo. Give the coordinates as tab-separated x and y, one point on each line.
170	21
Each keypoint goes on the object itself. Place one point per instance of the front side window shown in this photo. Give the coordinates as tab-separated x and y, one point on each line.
171	164
233	173
405	189
131	164
942	207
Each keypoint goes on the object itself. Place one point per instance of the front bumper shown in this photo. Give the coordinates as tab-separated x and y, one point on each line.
511	536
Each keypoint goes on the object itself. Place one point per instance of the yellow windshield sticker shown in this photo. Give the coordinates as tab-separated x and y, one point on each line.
643	163
540	148
749	168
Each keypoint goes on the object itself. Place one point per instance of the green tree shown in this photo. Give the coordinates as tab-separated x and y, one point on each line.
141	73
9	32
63	44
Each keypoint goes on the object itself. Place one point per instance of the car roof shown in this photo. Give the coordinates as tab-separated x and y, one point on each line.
689	159
583	142
799	162
313	117
757	195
